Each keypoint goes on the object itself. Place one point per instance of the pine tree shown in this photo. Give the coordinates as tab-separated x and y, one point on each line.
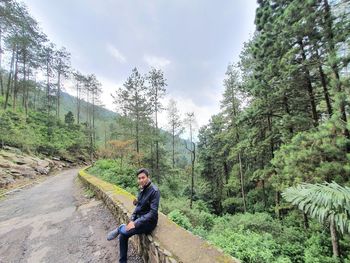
156	92
133	103
175	125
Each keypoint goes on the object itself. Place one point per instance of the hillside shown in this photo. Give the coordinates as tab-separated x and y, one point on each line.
106	123
103	116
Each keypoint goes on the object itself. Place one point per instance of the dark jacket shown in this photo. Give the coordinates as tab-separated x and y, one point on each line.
146	211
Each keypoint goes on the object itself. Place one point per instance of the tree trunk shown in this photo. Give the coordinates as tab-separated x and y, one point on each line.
264	193
15	83
309	87
333	53
173	143
192	151
324	86
24	83
8	90
226	170
193	159
48	86
325	91
24	86
152	159
335	240
286	107
306	221
26	103
242	182
58	94
93	118
157	152
277	203
36	91
105	135
78	104
1	80
272	144
87	107
91	147
137	135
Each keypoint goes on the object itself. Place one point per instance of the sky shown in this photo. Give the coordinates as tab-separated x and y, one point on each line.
191	41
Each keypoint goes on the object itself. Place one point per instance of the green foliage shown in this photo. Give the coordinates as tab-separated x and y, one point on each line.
326	202
32	134
180	219
69	118
112	172
169	204
173	184
89	193
316	250
251	237
248	246
313	156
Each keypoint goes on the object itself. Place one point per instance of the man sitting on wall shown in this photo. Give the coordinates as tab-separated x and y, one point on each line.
145	216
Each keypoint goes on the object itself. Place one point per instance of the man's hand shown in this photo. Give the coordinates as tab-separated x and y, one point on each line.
129	226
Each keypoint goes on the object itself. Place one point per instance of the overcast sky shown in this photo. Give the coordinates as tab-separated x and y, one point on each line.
192	41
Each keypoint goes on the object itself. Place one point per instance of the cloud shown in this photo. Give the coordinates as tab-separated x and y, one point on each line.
109	86
185	104
116	53
192	51
156	62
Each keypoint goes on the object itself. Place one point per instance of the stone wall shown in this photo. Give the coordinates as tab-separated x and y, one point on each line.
168	242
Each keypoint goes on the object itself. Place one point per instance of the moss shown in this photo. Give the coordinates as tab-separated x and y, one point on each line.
89	193
105	186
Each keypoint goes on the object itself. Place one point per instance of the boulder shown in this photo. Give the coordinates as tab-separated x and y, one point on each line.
23	170
5	163
7	155
5	178
21	160
16	165
43	163
43	170
51	163
12	150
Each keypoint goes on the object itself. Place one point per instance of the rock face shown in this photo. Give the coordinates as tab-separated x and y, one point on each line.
16	166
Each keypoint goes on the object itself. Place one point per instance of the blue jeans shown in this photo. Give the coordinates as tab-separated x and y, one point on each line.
124	238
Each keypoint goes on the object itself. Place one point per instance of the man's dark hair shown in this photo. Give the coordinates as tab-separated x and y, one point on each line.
142	170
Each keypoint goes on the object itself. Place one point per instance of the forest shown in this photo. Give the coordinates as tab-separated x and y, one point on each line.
266	180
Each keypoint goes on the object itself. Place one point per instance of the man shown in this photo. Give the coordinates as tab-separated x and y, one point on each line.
145	216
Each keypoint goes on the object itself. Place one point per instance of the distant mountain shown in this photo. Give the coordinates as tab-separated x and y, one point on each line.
103	116
69	103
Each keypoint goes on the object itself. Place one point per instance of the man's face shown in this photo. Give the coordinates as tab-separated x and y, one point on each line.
142	179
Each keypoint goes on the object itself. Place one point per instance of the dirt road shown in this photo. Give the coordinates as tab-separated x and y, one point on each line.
54	222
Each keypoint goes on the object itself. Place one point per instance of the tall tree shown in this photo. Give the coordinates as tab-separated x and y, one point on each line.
133	103
190	120
61	67
156	92
175	124
79	83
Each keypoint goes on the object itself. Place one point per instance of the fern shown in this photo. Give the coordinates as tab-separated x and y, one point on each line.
325	202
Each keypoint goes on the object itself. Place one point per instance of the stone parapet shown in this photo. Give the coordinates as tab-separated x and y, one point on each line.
168	242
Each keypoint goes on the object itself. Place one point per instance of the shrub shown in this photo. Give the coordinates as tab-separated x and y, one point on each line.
180	219
246	245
